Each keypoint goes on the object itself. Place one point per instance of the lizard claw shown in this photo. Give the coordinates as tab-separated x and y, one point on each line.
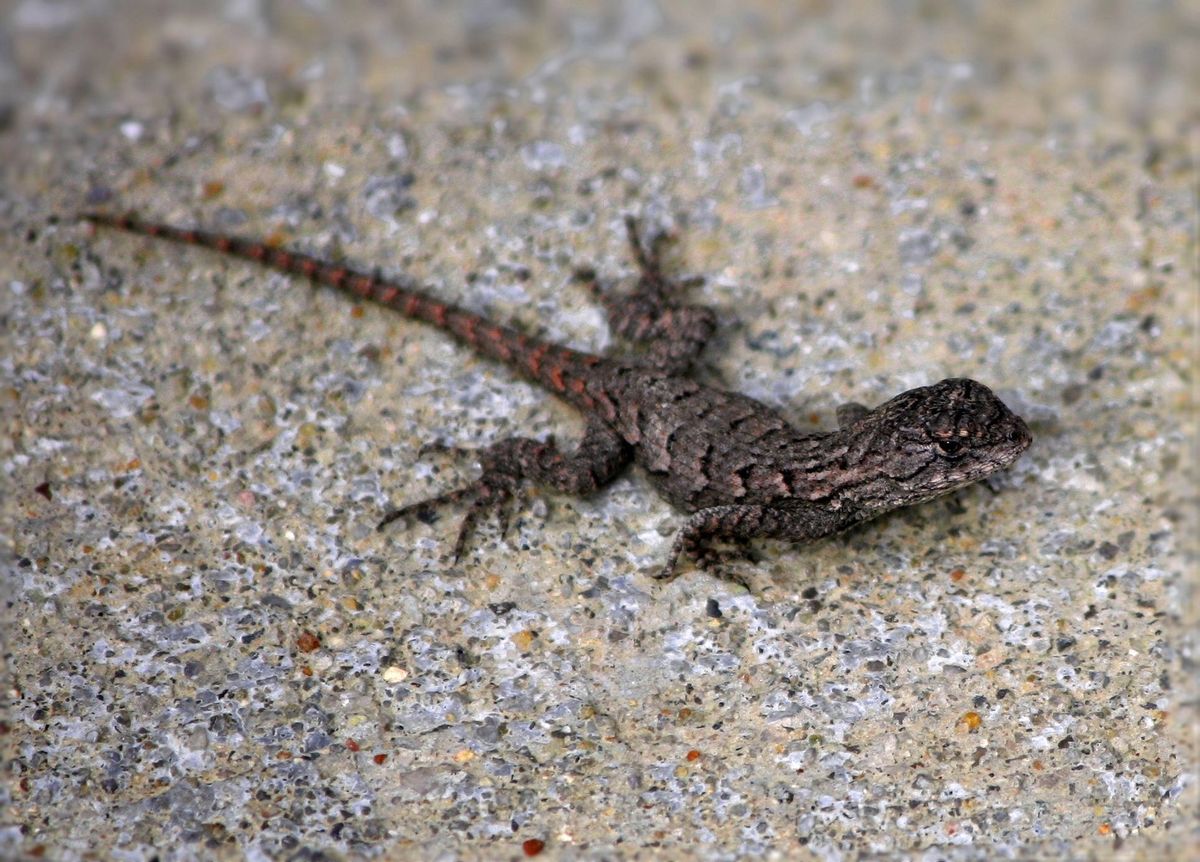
586	275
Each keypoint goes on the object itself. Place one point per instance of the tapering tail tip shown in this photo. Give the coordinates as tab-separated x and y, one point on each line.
124	221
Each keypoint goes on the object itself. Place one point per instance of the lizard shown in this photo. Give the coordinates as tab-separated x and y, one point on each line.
734	464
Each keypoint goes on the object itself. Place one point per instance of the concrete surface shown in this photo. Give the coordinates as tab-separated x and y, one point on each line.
209	651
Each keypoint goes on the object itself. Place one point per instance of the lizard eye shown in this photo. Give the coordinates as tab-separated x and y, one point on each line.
951	448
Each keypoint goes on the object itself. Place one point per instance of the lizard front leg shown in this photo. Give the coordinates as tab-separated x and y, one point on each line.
651	314
600	455
740	522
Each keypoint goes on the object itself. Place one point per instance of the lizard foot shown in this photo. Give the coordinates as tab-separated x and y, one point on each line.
493	491
654	314
708	559
511	463
507	465
733	524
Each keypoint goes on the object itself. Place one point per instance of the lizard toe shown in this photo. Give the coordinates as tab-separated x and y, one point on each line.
424	508
492	493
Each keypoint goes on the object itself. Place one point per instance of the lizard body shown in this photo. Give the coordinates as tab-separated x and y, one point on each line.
732	462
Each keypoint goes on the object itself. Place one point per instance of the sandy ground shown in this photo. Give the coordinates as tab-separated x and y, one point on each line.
210	653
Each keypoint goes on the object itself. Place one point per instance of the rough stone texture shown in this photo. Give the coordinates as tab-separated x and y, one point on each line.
210	652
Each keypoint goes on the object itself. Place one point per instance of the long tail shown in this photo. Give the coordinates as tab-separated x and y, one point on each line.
540	361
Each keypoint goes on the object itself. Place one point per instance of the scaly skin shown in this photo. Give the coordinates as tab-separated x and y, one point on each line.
731	461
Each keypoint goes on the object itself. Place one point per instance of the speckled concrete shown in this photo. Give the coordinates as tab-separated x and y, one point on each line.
209	651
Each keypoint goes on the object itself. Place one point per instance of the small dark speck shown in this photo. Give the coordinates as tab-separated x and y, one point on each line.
501	608
1154	154
979	701
1072	393
1065	643
371	353
713	609
809	592
44	490
317	741
98	195
1066	741
1096	373
967	208
1090	612
1002	693
770	343
1108	550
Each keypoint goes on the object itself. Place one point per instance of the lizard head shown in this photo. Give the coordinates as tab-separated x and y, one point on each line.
929	441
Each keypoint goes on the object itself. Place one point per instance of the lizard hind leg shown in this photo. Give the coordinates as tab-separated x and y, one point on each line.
651	314
510	463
